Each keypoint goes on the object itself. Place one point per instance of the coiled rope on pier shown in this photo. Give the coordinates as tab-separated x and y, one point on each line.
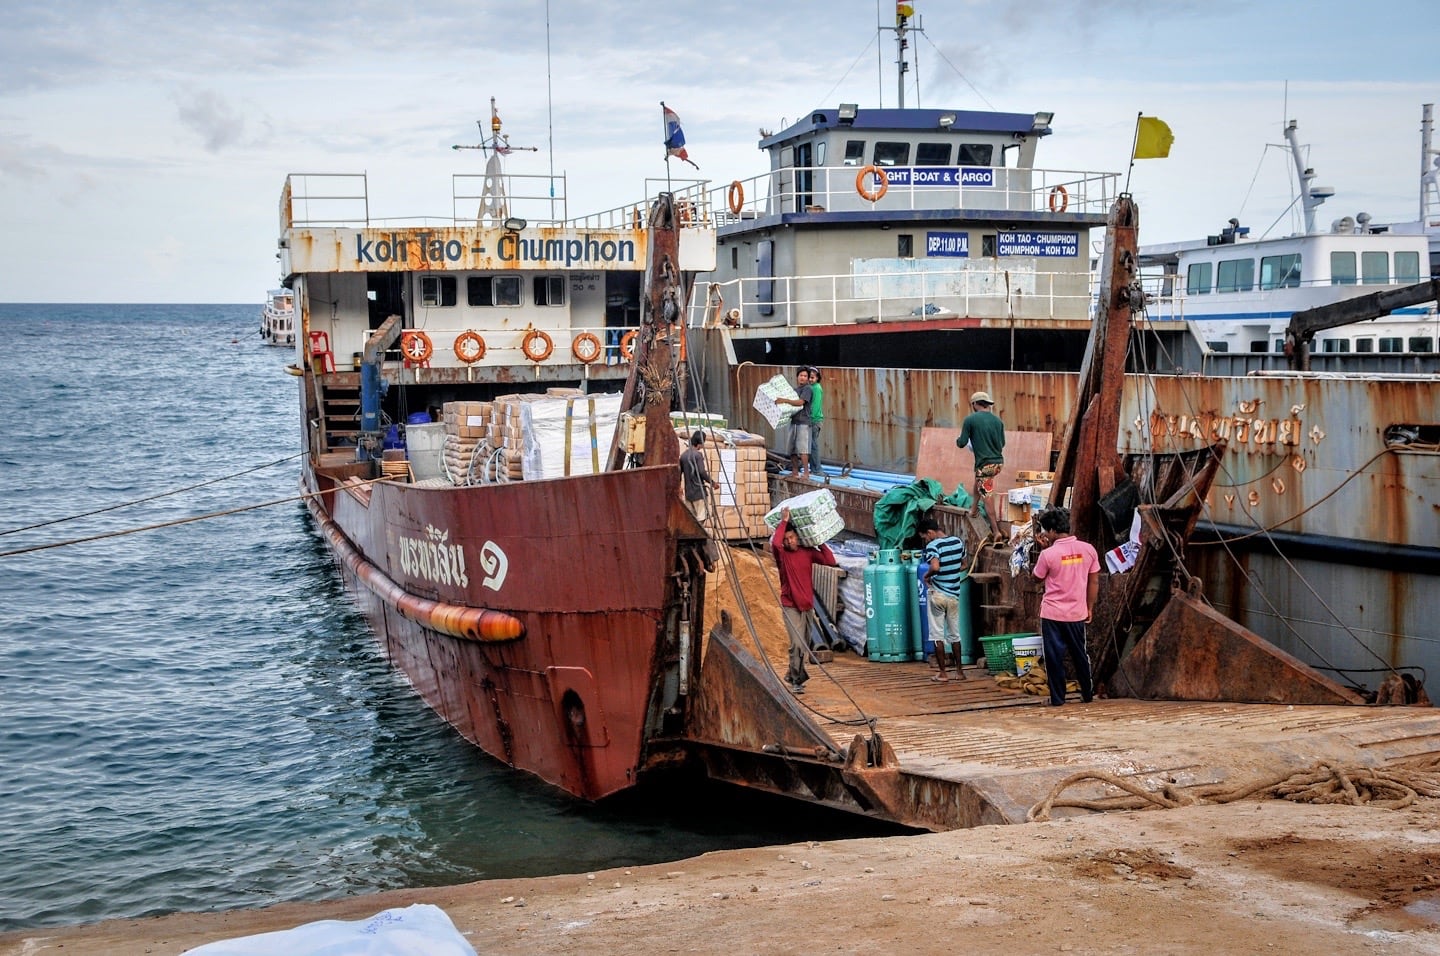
1393	787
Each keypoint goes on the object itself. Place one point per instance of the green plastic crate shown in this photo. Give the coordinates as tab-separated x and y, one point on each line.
1000	652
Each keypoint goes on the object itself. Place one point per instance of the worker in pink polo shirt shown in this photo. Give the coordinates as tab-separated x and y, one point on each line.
1070	569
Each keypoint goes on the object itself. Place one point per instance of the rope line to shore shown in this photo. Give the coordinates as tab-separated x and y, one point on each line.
1393	787
154	497
177	521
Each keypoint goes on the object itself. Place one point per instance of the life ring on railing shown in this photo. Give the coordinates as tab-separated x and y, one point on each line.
586	347
735	197
469	347
627	346
1059	199
416	346
537	345
881	183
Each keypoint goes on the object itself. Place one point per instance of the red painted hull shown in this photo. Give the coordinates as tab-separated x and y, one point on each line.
590	572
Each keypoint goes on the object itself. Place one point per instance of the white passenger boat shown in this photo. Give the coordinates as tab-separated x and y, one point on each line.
1238	291
277	318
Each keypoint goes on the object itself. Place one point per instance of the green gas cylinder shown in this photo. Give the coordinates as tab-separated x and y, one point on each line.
886	608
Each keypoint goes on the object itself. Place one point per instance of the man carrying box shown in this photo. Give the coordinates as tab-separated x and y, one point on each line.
797	593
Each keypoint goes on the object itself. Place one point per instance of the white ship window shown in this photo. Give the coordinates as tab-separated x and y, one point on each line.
976	154
905	246
1197	278
1365	345
892	154
937	154
1280	272
1422	343
1407	267
1279	346
549	290
437	290
492	290
1335	345
1375	268
1218	346
1235	275
854	152
1258	345
1391	344
1342	268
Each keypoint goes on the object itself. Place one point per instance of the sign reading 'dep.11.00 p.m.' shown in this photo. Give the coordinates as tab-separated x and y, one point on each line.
953	244
1056	244
941	176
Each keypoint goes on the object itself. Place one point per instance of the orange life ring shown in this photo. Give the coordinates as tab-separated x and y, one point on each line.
881	183
537	352
1059	199
416	346
586	347
469	347
627	345
735	197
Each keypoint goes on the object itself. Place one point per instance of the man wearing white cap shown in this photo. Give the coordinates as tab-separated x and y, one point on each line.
984	432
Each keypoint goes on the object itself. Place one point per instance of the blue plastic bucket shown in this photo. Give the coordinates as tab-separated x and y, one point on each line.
418	418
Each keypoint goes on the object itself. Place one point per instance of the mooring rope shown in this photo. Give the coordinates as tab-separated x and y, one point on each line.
1393	787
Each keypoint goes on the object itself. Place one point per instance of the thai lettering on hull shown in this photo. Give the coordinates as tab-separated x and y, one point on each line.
433	558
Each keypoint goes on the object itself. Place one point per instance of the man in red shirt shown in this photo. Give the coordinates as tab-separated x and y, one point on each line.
797	593
1070	569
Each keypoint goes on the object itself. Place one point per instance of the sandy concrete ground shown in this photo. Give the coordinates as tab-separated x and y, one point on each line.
1268	877
1256	877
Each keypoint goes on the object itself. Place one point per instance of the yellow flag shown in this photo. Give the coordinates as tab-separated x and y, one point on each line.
1152	138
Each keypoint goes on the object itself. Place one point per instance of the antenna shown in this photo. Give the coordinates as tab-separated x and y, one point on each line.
498	143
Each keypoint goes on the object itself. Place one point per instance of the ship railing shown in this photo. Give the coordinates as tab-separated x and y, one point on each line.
887	296
911	188
538	199
691	203
505	347
325	199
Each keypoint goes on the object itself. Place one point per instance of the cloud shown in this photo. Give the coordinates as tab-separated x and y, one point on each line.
208	113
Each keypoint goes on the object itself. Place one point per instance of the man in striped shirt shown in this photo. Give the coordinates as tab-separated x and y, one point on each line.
946	556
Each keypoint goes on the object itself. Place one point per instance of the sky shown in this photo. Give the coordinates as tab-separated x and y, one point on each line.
144	144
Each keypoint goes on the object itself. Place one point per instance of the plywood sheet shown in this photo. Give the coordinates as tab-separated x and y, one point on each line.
938	458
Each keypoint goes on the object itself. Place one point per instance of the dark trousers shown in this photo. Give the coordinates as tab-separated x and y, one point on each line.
1063	638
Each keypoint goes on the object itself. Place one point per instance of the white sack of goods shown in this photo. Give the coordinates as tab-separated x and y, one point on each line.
567	436
813	515
765	395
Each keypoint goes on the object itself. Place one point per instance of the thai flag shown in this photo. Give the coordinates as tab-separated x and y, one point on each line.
675	136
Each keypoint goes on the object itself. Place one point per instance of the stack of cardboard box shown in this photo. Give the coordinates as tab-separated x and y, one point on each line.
736	459
467	427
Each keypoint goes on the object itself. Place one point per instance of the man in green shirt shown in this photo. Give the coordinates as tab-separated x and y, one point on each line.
984	432
817	415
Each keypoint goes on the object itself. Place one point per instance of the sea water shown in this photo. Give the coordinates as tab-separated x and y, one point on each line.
193	716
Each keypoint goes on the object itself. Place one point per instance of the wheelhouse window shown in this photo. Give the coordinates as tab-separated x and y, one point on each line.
1335	345
905	246
1392	344
1259	345
976	154
1279	346
932	154
854	152
1421	344
1375	268
1407	267
987	247
437	290
1218	346
1197	278
1280	272
1235	275
1342	268
892	154
1365	345
549	290
493	290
